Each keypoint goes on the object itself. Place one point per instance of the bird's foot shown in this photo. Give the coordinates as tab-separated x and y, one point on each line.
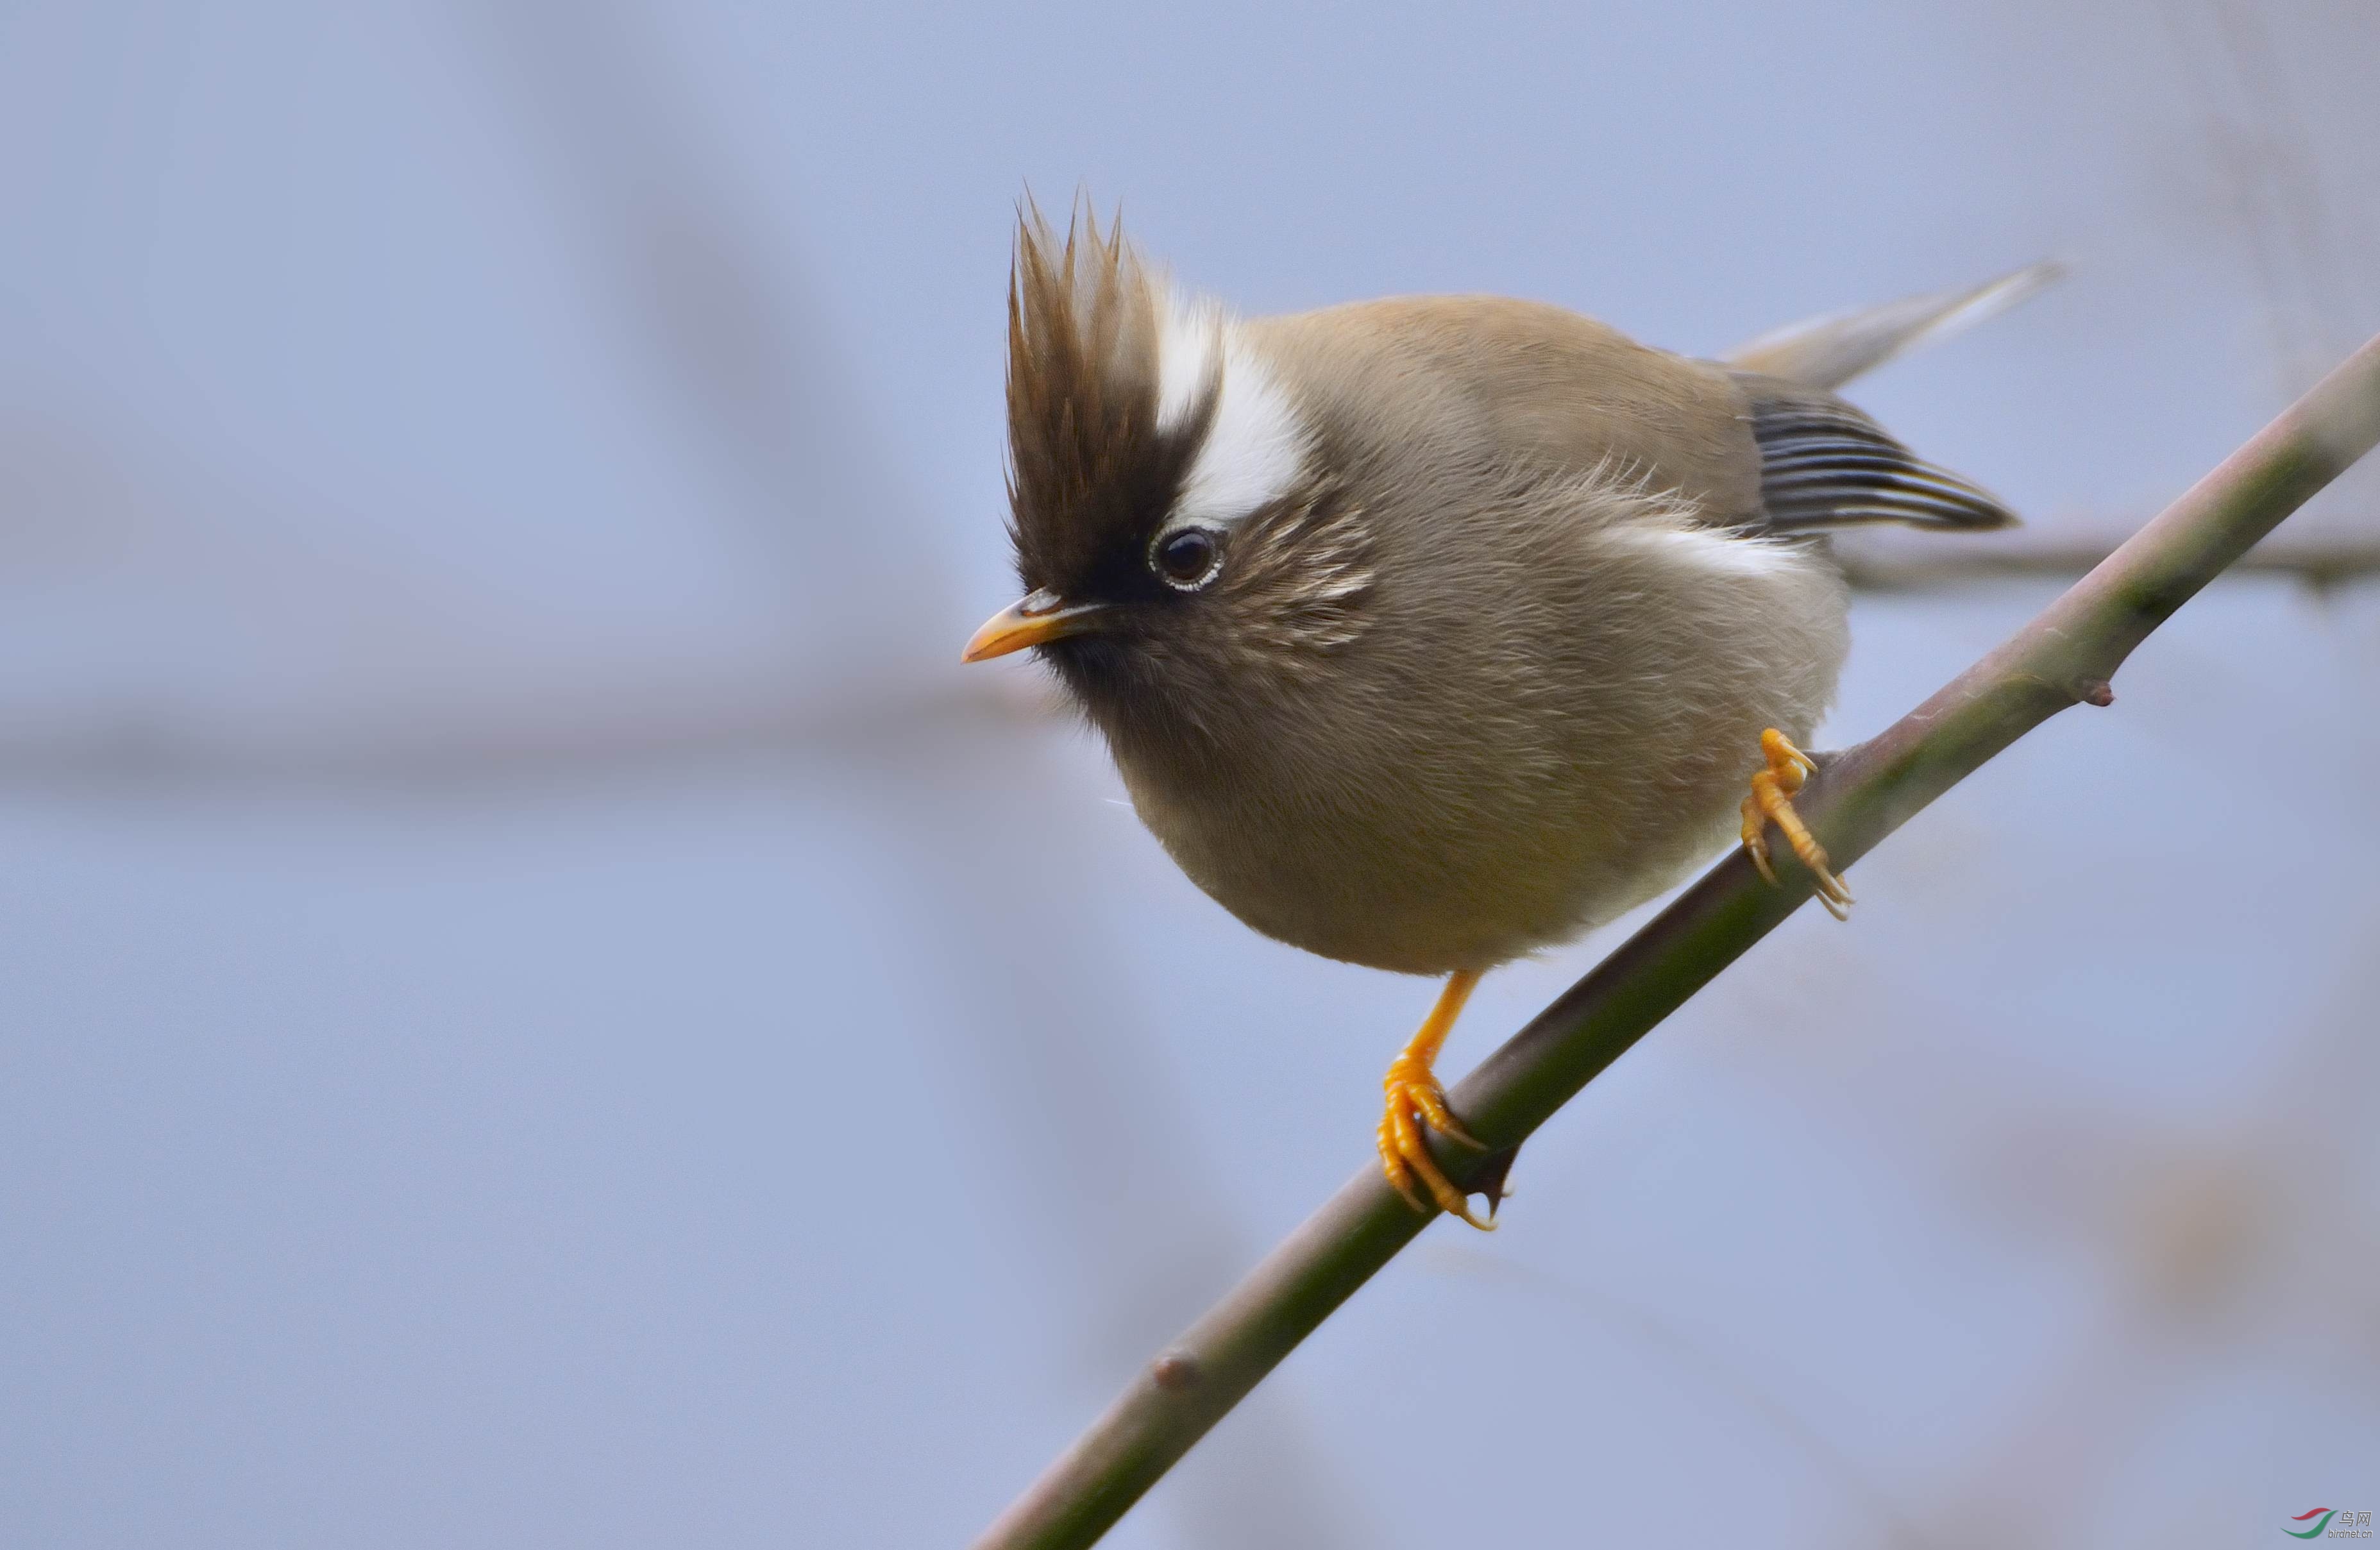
1415	1101
1772	800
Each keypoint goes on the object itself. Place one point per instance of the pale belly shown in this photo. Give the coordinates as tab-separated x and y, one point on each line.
1511	788
1360	876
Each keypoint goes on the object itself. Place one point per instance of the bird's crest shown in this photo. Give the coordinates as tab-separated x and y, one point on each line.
1090	464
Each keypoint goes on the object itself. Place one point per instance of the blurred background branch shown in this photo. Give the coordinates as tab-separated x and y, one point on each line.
582	729
1884	565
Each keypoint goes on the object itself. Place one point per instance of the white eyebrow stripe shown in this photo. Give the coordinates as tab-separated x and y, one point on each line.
1256	448
1186	357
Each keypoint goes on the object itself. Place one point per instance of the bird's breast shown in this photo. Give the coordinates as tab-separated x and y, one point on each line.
1540	727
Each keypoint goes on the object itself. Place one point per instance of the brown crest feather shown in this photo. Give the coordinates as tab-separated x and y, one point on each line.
1090	475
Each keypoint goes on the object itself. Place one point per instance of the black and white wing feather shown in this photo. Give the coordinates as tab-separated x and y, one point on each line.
1824	464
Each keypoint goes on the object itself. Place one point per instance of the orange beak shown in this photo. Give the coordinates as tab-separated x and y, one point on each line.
1038	617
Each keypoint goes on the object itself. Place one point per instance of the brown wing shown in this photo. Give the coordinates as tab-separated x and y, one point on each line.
1509	385
1486	384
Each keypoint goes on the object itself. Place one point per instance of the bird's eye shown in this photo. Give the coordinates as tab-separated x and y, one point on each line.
1187	560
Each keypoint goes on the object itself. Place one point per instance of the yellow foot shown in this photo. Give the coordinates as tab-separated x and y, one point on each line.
1772	798
1416	1104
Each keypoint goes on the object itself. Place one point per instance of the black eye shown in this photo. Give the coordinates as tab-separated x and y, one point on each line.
1187	559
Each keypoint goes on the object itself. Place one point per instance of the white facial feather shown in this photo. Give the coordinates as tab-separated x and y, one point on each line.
1186	357
1255	451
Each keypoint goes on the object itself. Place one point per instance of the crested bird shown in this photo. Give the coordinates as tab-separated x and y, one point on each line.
1431	631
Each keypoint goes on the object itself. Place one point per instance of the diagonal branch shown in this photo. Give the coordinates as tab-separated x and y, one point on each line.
2064	657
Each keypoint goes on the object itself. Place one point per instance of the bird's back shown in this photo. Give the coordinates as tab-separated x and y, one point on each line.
1494	388
1531	389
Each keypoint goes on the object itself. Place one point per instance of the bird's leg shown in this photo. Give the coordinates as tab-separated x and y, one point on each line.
1772	798
1415	1100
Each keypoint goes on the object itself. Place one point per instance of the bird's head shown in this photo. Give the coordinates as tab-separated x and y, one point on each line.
1178	529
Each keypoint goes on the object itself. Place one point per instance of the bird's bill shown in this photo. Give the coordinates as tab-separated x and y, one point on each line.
1035	620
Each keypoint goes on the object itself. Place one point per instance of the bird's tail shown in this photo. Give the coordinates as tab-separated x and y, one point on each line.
1829	351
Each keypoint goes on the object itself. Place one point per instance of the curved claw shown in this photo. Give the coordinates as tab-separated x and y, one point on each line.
1405	1157
1772	801
1416	1104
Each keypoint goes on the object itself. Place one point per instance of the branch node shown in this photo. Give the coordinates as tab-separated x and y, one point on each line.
2095	691
1174	1372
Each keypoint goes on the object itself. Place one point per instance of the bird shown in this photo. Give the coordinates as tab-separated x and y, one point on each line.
1429	632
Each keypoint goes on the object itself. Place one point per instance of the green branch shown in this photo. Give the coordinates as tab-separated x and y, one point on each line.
2064	657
